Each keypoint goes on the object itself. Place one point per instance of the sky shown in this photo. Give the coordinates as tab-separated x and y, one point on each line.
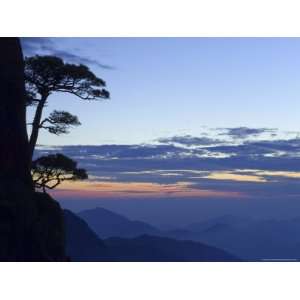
195	127
169	86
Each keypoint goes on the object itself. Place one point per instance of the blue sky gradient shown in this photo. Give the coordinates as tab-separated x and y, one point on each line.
174	86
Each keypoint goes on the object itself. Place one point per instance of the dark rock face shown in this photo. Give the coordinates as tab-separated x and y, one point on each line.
49	233
14	152
31	226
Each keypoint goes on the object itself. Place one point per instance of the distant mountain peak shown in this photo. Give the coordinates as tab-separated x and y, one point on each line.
109	224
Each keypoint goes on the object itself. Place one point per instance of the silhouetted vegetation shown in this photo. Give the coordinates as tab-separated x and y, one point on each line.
50	171
46	75
59	122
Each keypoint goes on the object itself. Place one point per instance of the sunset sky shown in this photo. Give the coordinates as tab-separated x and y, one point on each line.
206	120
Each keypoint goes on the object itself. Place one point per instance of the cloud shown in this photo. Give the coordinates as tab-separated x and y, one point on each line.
235	177
32	44
140	189
111	152
188	140
271	155
251	170
47	46
261	160
247	172
245	132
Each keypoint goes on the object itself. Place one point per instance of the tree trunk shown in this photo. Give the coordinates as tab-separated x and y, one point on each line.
36	126
14	150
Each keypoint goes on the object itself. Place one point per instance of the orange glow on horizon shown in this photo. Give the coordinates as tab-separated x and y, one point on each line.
105	189
235	177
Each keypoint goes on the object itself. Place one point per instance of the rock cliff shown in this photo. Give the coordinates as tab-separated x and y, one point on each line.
31	224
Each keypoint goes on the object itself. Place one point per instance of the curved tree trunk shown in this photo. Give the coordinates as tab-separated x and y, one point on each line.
36	126
14	150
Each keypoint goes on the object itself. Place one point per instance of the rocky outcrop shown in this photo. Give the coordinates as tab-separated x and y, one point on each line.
31	224
14	150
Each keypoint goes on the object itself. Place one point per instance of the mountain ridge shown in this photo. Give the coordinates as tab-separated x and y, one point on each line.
245	237
108	224
84	245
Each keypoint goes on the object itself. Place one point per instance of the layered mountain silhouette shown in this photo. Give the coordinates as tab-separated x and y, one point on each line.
109	224
244	237
154	248
248	238
82	244
219	222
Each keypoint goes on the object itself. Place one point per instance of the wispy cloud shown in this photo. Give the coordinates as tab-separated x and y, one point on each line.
46	46
245	132
188	140
267	168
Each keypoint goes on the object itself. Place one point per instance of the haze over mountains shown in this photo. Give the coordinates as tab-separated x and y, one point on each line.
230	238
82	244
